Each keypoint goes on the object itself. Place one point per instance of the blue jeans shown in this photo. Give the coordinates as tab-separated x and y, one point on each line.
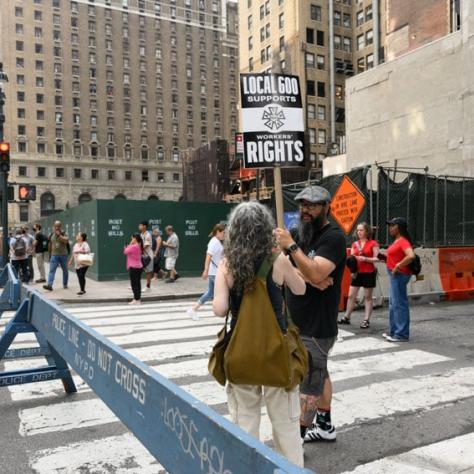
398	306
210	290
54	263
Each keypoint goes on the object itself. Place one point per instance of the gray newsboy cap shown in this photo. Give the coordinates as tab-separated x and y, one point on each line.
314	194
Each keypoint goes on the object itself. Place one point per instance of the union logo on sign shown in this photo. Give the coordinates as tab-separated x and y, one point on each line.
273	117
347	204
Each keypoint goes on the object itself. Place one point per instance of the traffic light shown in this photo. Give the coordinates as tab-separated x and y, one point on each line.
27	192
5	157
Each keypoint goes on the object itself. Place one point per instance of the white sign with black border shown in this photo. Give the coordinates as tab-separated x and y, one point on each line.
272	120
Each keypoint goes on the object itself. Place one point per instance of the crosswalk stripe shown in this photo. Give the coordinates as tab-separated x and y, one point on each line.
123	307
455	455
118	454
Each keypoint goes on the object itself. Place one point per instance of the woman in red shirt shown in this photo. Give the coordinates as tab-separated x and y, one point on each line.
365	250
399	255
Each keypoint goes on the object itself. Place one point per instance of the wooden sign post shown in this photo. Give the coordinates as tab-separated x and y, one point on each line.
273	126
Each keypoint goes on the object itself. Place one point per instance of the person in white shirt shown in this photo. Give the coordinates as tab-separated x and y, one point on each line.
213	257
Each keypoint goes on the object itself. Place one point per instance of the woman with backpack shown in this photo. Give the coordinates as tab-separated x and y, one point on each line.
248	246
365	250
134	251
399	255
81	247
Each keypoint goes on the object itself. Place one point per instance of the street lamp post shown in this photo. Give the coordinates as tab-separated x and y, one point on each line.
4	172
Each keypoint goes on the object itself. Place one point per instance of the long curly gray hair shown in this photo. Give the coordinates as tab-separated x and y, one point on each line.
248	239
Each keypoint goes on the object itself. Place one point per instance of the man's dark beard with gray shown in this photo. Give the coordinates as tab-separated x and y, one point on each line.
307	230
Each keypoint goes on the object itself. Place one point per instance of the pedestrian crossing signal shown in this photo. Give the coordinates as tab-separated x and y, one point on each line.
27	192
4	157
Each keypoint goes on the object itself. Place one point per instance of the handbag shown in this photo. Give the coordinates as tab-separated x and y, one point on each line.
146	260
216	359
85	259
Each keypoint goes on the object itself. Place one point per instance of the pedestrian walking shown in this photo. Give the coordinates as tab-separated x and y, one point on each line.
399	255
40	248
147	251
171	254
158	254
248	244
81	247
213	257
318	250
134	251
59	249
30	252
19	255
365	250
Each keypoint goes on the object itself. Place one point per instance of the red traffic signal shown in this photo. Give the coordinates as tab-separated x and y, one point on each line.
4	157
27	192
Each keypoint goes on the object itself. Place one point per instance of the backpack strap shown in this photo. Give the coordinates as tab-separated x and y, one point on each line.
266	265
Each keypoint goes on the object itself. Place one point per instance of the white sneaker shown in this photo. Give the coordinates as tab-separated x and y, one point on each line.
192	314
316	433
147	288
386	335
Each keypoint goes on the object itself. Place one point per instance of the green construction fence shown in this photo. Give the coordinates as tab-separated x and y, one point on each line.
109	225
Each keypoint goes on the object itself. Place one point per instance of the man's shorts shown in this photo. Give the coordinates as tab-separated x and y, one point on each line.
318	351
170	263
149	267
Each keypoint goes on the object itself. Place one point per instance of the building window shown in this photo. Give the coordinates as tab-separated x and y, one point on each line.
84	197
77	173
21	129
337	19
312	136
22	171
128	175
47	203
282	44
41	172
281	21
347	44
309	59
321	89
347	20
370	61
161	177
310	89
94	174
111	175
120	196
321	136
24	213
311	111
176	177
339	92
321	112
249	22
368	13
59	172
369	37
360	18
310	35
320	38
40	148
321	62
337	42
360	42
315	12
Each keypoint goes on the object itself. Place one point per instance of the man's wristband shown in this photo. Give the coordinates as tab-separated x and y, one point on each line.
291	249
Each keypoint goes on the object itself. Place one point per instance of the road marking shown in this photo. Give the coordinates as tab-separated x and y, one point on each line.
118	454
455	455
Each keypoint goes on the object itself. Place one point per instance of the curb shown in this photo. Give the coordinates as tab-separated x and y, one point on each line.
145	299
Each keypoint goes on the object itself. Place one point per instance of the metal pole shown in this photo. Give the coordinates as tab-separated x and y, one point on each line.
371	200
375	13
408	197
445	208
4	182
463	211
332	97
425	204
379	234
388	207
435	214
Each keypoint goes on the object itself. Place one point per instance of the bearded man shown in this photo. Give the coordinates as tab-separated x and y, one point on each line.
318	250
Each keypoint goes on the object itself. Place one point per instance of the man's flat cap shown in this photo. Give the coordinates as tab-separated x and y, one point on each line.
314	194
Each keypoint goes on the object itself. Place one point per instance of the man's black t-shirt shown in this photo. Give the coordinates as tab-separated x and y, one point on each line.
315	312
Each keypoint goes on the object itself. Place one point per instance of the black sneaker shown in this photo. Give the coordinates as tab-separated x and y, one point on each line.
316	433
170	280
47	287
41	280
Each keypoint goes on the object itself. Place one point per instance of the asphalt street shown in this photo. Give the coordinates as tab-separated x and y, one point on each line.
404	407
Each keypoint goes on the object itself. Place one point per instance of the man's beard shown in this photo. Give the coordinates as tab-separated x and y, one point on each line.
307	230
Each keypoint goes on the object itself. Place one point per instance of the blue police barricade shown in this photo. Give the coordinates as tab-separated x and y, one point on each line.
182	433
13	292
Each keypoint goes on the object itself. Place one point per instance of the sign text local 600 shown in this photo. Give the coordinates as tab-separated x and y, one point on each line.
272	120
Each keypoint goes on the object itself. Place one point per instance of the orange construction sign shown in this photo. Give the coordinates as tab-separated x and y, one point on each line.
347	205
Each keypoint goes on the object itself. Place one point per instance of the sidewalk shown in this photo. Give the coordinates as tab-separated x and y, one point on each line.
119	291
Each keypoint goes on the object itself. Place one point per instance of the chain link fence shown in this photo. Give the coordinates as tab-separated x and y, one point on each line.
439	209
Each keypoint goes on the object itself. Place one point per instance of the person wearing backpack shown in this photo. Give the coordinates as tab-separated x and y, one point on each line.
399	256
40	247
249	259
19	255
59	249
318	249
